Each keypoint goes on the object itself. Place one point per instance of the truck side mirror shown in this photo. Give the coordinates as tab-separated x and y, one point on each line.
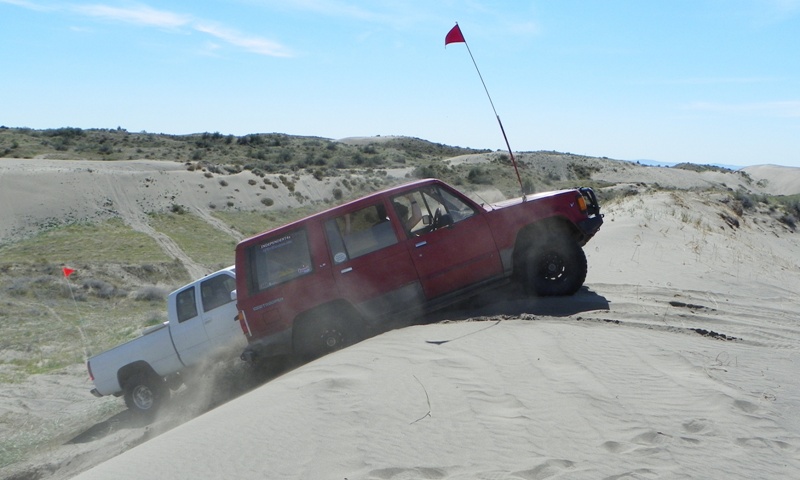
233	296
427	220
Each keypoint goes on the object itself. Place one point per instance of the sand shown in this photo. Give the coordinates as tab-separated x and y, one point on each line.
679	358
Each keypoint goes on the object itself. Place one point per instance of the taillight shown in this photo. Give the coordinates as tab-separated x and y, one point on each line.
244	324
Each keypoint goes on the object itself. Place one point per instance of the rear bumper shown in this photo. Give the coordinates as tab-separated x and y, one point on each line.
271	346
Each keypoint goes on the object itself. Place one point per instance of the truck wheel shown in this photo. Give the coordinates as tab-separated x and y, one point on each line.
324	335
144	393
555	266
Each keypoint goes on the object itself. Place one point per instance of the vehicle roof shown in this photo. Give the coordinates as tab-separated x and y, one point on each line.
231	269
342	207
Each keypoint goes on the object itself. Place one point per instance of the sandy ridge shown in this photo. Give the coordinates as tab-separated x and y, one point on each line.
678	359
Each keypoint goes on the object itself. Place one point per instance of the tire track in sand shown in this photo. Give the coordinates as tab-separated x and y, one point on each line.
135	218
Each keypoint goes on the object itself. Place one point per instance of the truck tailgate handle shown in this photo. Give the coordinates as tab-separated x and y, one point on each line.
421	244
347	270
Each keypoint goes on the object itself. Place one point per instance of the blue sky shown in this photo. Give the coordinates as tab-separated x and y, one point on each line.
703	81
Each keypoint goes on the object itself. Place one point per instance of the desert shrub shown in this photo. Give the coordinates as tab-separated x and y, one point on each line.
223	183
337	193
528	186
288	183
425	171
149	294
267	201
177	209
581	171
479	176
789	220
101	288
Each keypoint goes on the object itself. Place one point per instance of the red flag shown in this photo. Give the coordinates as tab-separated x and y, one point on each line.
67	271
454	36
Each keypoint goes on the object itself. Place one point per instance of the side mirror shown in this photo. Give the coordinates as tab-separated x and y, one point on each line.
427	220
233	296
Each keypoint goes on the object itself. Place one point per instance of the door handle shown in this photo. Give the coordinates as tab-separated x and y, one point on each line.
347	270
421	244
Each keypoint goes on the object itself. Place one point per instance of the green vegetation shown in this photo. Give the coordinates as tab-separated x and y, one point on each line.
265	153
109	241
702	168
201	241
252	223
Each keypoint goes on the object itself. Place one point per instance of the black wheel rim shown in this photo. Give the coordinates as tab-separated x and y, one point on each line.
552	267
332	339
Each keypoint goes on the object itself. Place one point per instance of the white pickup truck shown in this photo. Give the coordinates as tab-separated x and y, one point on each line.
202	327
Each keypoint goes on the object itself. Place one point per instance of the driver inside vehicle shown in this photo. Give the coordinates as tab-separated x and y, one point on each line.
408	210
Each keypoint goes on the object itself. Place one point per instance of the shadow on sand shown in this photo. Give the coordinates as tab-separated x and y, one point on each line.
513	301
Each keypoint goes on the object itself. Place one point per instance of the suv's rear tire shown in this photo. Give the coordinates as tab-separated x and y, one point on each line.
324	334
144	393
555	265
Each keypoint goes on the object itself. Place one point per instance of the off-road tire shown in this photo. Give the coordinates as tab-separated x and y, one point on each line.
555	265
316	337
144	393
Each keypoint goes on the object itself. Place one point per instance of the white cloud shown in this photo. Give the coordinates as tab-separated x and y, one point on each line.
785	108
247	42
147	16
28	5
139	15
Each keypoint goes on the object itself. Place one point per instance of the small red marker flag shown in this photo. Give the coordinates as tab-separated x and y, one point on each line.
67	271
454	36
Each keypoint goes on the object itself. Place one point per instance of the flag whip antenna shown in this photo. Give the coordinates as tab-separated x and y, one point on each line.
455	36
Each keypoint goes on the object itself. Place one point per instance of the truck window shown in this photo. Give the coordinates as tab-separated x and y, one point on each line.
359	233
186	304
279	259
429	208
216	291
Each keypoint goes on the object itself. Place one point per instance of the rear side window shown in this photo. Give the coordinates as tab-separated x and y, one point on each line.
279	259
186	305
359	233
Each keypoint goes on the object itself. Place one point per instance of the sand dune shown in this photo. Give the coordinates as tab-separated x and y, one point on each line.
678	359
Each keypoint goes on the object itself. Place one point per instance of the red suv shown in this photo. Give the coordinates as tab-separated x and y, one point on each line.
321	283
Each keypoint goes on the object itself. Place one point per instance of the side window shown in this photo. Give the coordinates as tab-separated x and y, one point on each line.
186	305
216	291
278	260
454	206
359	233
429	209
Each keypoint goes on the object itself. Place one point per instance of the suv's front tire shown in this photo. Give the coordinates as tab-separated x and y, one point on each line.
555	265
